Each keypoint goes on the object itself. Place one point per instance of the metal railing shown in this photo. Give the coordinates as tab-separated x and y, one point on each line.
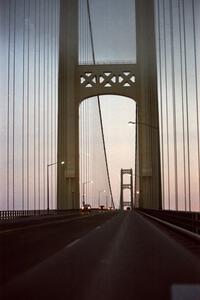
14	214
186	220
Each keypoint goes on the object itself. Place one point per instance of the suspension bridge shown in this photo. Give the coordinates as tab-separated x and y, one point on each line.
91	208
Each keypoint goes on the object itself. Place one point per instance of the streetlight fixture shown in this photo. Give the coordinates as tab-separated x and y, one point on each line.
49	165
84	184
100	196
141	123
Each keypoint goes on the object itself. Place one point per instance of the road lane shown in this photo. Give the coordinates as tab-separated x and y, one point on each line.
128	257
46	223
24	223
23	247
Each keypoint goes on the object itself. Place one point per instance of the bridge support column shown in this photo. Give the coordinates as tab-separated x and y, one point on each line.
68	177
147	107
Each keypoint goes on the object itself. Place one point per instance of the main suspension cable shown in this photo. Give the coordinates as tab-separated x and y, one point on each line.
99	105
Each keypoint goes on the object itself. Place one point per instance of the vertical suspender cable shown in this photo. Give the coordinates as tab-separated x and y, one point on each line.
34	113
187	111
88	117
88	125
51	86
27	133
174	104
23	101
8	110
136	156
44	107
50	97
196	91
13	116
57	26
54	9
161	105
166	100
86	104
55	90
87	114
99	105
80	123
82	106
47	86
183	113
88	141
39	104
85	111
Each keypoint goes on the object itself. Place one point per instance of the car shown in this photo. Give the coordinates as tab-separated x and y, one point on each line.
86	208
101	207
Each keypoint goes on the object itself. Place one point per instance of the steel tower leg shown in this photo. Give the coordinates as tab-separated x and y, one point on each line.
147	104
68	177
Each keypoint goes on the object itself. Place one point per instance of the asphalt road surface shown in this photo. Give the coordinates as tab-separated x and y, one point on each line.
28	241
120	256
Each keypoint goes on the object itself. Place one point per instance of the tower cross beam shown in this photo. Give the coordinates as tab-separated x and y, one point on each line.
116	79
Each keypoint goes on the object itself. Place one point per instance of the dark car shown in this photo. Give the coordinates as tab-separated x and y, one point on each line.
86	208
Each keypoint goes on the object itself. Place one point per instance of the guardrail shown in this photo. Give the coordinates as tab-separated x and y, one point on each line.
186	220
13	214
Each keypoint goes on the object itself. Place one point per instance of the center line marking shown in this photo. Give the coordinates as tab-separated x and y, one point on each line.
73	243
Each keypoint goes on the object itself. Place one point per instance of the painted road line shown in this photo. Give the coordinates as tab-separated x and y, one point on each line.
73	243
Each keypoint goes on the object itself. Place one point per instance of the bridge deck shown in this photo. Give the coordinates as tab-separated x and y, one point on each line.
127	257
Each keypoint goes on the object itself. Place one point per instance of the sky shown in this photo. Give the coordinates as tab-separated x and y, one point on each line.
28	99
117	111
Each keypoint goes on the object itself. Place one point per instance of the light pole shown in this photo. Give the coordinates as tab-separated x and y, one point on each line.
136	192
84	184
106	201
100	196
49	165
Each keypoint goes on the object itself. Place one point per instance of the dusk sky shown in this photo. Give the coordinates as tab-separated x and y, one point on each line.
28	111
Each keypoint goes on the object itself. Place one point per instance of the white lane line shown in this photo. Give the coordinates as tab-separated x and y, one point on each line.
73	243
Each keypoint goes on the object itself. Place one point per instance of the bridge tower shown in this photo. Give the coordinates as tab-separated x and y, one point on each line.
142	88
128	186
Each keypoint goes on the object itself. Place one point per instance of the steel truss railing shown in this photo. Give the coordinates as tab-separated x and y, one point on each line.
14	214
183	219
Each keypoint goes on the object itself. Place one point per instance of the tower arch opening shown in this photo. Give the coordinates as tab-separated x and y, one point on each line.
119	138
